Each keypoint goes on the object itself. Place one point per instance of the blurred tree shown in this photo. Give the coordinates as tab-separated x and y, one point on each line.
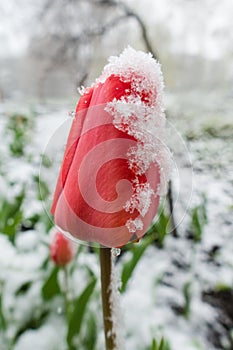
68	30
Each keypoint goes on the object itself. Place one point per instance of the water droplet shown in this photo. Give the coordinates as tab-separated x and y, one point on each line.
116	252
71	114
59	310
10	221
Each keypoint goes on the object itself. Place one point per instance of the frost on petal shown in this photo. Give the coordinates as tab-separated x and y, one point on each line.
139	113
140	200
134	225
81	90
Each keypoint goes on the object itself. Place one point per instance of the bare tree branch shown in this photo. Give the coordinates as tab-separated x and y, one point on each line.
130	13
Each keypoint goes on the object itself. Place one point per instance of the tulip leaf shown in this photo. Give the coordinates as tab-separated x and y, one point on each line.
128	268
187	297
42	188
2	318
162	345
19	127
89	339
51	286
198	220
77	316
154	345
11	215
158	229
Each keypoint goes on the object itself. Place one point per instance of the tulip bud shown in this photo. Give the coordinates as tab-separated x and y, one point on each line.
61	250
116	165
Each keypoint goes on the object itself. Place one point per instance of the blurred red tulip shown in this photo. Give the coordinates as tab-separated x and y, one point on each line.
61	250
114	164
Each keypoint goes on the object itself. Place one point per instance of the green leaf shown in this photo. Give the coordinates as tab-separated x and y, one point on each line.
187	297
198	220
12	224
19	127
2	317
51	286
128	268
77	316
11	215
222	287
159	229
196	225
46	161
161	345
42	189
164	345
154	345
90	337
46	220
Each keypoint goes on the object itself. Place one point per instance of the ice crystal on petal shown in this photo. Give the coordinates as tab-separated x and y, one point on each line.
134	225
137	160
165	167
139	68
81	90
140	114
141	199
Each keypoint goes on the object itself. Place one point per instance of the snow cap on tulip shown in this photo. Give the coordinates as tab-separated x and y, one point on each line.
116	165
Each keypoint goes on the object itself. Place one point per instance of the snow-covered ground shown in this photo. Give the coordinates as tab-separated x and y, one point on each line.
154	302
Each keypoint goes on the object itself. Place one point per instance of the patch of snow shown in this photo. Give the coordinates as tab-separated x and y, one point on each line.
139	113
46	337
157	283
117	316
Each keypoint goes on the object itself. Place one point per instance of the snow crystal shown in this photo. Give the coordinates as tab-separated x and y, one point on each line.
71	114
134	225
81	90
116	252
148	78
117	318
140	114
141	199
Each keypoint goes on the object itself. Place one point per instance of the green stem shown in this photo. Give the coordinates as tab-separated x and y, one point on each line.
171	209
106	273
66	293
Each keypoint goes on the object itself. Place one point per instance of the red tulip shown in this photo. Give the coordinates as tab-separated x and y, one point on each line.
109	184
61	250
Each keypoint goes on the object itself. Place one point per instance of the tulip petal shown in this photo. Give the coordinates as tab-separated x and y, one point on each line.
108	185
